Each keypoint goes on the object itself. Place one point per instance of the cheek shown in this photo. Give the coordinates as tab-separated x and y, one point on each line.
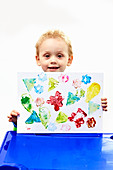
65	62
44	65
42	61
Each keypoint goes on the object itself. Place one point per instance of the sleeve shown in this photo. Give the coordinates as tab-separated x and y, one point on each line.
15	127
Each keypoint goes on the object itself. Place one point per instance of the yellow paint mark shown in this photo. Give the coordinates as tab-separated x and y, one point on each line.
92	91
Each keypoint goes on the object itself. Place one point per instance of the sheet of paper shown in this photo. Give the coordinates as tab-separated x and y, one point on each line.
60	102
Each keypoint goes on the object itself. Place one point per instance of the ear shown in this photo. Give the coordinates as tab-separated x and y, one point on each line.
37	60
70	59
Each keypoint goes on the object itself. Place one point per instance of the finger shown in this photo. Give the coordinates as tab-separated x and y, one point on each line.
104	105
104	109
10	119
17	112
103	99
14	113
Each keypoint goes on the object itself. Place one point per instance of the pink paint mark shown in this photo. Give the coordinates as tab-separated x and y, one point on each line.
28	128
77	83
66	127
63	78
39	101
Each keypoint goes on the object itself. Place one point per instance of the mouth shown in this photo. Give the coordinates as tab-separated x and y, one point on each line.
53	68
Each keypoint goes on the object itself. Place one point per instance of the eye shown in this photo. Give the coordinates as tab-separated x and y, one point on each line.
47	55
59	55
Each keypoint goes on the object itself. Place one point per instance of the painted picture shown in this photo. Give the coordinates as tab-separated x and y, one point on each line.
60	102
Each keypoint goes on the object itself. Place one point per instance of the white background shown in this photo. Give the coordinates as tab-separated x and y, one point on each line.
89	25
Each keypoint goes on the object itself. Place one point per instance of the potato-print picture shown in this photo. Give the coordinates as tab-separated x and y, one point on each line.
60	102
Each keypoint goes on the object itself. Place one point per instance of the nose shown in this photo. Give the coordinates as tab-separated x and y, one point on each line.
53	60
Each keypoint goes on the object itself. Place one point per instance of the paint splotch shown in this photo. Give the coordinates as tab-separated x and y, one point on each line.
39	101
66	127
53	83
91	122
29	83
39	89
71	99
92	107
78	117
80	93
61	118
63	78
44	115
76	83
92	91
56	100
86	79
26	101
42	77
52	127
33	118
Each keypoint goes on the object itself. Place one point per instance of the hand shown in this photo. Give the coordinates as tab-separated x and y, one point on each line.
104	104
13	116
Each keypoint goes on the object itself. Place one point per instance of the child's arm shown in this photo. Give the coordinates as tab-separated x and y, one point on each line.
13	118
104	104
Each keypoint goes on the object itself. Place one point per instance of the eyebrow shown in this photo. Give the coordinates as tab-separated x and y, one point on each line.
58	51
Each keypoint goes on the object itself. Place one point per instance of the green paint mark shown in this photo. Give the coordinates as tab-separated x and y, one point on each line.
52	83
92	107
82	93
44	115
26	102
61	118
29	83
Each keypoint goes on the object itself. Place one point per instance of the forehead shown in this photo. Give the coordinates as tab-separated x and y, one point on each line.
53	44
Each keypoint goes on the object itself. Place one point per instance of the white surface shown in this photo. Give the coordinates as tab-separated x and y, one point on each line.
89	24
64	88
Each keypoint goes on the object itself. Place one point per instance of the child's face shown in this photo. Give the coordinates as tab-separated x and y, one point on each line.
53	55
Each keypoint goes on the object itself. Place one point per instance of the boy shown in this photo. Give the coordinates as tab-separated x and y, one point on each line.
53	54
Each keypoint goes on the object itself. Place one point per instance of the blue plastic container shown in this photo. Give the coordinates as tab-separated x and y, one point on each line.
56	152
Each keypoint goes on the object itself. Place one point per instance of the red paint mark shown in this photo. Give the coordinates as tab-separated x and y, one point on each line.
91	122
28	128
56	100
79	121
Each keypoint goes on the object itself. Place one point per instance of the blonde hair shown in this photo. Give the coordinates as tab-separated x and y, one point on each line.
54	34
